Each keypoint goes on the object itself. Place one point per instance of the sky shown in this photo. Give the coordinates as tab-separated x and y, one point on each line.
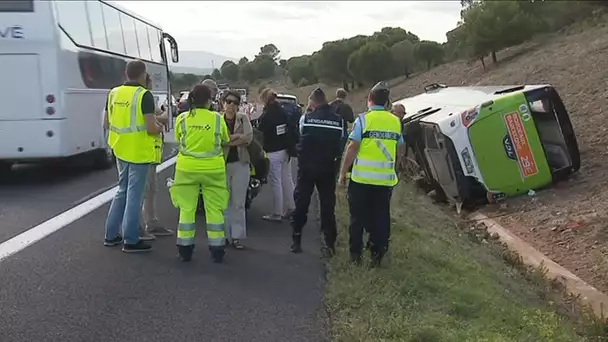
238	28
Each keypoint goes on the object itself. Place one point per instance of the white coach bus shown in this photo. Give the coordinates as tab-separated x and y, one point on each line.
58	60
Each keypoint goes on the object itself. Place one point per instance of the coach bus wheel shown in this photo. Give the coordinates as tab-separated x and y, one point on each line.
5	167
103	158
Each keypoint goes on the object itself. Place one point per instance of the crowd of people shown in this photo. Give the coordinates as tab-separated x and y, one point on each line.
215	156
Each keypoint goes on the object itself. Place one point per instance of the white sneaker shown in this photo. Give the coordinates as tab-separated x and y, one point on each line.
145	236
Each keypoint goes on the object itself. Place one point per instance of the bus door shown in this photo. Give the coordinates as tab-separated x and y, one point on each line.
174	58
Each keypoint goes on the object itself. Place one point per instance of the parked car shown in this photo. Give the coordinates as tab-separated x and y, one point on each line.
291	106
474	145
182	103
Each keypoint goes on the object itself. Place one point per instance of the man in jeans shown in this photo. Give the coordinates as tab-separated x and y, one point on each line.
150	225
133	129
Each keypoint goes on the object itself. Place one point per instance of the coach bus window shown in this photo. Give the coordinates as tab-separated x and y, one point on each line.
73	19
98	30
113	29
142	40
128	32
154	35
17	6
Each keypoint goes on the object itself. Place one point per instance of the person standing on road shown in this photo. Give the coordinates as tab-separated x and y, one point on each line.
372	153
237	167
318	150
214	106
150	224
132	134
200	165
277	132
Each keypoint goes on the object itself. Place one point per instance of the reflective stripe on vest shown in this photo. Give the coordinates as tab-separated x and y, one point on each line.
216	144
133	115
385	170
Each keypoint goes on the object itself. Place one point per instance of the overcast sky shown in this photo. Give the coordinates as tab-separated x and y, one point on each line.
238	28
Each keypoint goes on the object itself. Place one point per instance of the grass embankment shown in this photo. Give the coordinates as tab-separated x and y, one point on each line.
445	282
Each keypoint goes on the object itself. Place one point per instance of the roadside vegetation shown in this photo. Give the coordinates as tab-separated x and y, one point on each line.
446	280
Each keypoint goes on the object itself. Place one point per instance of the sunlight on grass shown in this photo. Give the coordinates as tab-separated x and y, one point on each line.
437	285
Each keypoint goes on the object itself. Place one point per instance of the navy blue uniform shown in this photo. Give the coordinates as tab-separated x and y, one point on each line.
319	148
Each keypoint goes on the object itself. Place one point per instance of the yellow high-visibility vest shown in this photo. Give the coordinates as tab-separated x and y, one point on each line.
200	134
375	161
127	135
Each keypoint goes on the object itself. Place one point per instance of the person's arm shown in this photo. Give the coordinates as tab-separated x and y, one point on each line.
247	136
106	119
163	118
178	127
148	107
351	150
224	133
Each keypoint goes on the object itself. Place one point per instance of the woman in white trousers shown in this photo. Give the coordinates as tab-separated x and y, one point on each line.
237	168
274	126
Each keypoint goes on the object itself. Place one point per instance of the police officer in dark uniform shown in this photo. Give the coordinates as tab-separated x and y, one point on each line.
318	149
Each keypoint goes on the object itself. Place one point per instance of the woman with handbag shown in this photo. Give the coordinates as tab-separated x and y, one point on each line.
237	167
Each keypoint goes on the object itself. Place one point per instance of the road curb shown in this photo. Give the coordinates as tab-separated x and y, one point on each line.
596	299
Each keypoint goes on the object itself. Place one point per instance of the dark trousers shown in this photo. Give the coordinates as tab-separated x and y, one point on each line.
325	182
369	207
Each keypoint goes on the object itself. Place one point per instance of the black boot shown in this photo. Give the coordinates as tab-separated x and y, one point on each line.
376	259
185	252
296	244
328	252
355	258
217	254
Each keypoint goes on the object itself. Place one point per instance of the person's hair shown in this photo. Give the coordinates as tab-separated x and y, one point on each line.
227	93
341	94
379	97
318	96
268	95
135	69
199	97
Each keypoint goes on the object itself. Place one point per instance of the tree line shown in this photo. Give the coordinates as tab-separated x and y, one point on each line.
485	28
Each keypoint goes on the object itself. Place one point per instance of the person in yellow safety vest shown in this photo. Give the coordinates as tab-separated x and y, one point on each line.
372	152
200	165
133	137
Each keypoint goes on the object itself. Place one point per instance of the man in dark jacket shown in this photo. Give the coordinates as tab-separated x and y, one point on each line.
319	147
346	113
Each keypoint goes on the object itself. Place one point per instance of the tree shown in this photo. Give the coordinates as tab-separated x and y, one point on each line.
243	61
429	52
283	63
271	51
216	74
189	80
248	72
403	57
301	68
264	66
371	63
392	35
494	25
230	71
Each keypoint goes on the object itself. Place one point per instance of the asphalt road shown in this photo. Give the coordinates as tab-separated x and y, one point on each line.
33	193
69	287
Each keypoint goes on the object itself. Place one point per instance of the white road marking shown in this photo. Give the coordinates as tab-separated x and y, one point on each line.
48	227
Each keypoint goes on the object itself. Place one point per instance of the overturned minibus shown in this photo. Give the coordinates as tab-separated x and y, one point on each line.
474	145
